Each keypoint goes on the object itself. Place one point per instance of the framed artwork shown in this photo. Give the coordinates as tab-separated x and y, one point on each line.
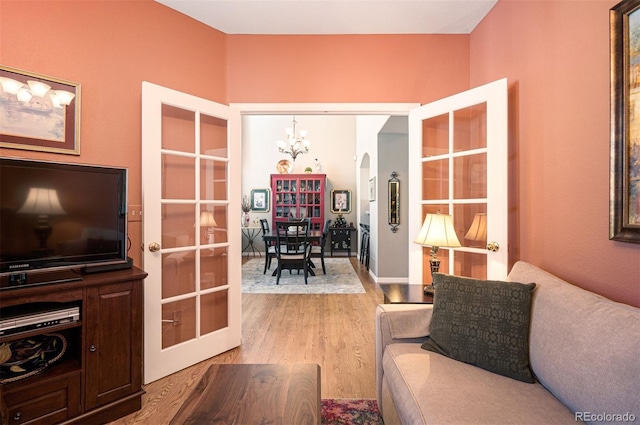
341	201
394	202
624	202
260	200
372	189
39	113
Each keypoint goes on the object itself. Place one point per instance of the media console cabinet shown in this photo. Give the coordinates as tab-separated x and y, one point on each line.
99	377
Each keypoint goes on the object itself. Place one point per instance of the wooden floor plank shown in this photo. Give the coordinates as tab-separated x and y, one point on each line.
334	331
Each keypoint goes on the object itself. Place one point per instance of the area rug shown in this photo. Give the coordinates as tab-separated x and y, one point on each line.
350	412
341	278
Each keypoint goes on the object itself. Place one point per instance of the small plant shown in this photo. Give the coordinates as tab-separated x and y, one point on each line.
308	170
246	204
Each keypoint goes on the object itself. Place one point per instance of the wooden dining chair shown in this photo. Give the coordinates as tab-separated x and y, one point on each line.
269	247
317	251
292	247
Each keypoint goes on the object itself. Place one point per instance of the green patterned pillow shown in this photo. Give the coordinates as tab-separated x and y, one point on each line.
484	323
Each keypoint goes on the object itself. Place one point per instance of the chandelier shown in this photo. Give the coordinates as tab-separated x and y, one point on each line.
294	145
39	91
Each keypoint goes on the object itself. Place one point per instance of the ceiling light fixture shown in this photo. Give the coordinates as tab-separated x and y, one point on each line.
36	90
294	145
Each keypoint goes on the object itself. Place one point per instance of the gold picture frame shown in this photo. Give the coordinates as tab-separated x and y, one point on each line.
38	112
341	201
624	205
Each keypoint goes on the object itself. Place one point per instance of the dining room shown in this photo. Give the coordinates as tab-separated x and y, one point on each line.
347	156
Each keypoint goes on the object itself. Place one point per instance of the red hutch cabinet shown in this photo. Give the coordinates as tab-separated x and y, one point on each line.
298	196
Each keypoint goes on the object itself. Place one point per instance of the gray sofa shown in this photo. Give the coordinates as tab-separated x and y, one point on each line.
584	351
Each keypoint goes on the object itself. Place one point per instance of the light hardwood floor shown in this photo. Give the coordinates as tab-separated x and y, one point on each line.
334	331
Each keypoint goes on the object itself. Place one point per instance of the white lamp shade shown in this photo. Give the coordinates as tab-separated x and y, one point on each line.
9	85
55	100
64	97
42	201
207	220
437	230
37	88
478	229
24	95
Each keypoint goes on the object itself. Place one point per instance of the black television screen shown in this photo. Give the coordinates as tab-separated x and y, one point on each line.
60	216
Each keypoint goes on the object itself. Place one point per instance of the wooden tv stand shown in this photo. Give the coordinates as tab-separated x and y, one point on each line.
99	378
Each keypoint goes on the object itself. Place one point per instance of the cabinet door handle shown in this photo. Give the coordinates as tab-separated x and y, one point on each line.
17	416
93	348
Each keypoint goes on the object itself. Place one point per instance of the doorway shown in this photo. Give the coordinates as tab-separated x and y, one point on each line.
366	121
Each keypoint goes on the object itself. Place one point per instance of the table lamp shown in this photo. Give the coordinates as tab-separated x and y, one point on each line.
42	202
478	230
207	221
436	231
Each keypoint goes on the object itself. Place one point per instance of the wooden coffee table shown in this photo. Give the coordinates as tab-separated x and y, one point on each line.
254	394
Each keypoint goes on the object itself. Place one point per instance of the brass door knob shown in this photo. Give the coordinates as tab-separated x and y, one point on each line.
154	247
493	246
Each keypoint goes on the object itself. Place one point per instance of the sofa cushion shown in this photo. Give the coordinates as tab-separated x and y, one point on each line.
584	347
484	323
429	388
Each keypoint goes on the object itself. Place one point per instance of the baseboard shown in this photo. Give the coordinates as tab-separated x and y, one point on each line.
393	280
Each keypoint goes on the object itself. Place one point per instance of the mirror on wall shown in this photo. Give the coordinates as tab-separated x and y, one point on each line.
394	202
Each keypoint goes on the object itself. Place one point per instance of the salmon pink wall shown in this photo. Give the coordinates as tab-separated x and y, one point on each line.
555	54
110	47
556	57
338	68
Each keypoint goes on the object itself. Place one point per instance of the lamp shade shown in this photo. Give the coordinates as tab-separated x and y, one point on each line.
42	201
437	230
9	85
64	97
207	220
37	88
478	229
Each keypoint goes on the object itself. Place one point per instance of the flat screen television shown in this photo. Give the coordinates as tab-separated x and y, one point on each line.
59	217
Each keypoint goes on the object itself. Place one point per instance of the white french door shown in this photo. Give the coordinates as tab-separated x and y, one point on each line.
458	153
191	184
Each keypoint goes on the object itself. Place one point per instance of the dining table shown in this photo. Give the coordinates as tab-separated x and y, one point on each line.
314	237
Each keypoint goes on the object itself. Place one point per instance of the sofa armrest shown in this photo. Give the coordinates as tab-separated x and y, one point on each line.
396	323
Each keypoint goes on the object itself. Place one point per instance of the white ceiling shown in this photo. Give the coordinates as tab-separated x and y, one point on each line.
336	16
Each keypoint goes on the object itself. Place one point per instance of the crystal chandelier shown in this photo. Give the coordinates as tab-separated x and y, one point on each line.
294	145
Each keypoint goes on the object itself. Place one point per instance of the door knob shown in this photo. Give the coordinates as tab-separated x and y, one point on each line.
154	247
493	246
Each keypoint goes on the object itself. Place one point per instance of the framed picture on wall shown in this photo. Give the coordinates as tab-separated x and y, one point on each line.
341	201
39	113
624	213
260	200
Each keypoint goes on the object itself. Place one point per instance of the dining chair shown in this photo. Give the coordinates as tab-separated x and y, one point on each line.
292	247
364	245
317	251
269	247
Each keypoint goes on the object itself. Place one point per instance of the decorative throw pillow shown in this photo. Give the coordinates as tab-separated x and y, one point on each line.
484	323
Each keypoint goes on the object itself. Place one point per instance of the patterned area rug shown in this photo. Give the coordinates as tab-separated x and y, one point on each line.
350	412
341	278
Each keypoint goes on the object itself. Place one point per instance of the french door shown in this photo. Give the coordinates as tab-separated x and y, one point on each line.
191	186
458	165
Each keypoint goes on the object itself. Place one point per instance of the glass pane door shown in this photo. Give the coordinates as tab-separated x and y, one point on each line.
454	141
192	311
